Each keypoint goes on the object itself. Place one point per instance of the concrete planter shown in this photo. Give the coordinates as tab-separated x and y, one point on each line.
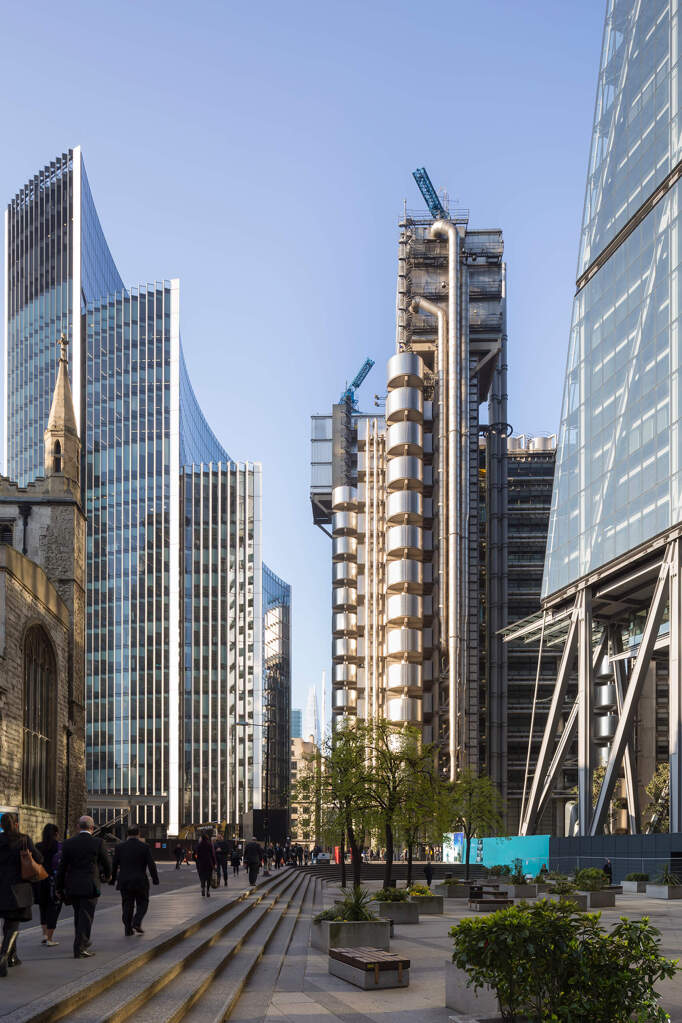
481	1005
664	891
634	887
398	912
591	900
350	934
452	891
521	891
428	904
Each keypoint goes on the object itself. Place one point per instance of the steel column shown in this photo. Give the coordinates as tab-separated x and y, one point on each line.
675	688
629	763
585	700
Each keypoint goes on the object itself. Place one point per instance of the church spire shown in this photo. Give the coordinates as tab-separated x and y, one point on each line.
62	444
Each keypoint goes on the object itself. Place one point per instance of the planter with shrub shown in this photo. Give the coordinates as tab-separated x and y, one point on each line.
549	961
453	889
392	904
666	886
518	888
350	924
635	884
428	903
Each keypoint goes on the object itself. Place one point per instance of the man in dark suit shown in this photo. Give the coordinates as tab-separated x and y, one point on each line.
252	859
132	860
84	864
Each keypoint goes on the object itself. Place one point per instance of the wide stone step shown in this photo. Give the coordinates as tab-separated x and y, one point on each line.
112	992
224	994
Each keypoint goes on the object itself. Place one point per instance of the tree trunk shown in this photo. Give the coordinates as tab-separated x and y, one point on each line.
354	855
468	851
388	870
342	850
409	864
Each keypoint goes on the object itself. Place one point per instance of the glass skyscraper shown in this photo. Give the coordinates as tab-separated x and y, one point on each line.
276	687
619	458
174	630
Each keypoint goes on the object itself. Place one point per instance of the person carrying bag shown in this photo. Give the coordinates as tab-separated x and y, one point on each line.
19	863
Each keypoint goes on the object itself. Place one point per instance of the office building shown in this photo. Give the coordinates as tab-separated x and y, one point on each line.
174	569
296	723
276	689
400	496
612	575
311	718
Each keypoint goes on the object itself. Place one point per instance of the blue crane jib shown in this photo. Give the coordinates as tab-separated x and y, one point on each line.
348	395
436	208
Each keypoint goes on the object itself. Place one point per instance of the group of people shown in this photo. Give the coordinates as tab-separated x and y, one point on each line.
72	874
213	857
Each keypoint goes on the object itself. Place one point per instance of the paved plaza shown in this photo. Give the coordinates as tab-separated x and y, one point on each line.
257	963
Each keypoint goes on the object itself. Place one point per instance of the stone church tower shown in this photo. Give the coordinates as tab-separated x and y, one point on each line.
42	630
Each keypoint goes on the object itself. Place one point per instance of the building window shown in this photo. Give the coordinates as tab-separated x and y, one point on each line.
39	695
7	532
57	464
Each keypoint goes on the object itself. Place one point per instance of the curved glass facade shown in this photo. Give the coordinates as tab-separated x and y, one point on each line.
619	469
174	569
276	687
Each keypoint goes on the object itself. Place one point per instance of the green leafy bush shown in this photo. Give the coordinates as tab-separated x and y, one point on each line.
354	907
637	877
390	895
591	879
499	870
548	961
563	886
667	877
518	877
419	889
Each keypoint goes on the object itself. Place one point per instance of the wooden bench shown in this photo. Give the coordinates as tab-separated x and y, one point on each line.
369	968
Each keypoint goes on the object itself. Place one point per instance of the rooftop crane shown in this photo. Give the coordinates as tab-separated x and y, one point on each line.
436	208
348	396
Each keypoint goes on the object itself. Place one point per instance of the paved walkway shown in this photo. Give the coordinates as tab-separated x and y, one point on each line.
177	900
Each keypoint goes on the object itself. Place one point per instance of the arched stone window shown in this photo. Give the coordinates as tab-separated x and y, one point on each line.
57	464
40	680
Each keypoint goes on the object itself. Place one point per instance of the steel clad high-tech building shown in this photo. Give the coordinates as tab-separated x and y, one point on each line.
174	631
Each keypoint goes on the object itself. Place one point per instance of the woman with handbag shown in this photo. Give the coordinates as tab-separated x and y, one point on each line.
19	866
44	891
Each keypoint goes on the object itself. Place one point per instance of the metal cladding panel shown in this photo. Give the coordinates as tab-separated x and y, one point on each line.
619	468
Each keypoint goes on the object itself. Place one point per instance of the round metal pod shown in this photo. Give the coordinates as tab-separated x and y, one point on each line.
344	523
405	542
405	575
344	548
344	598
405	507
345	573
345	674
604	728
345	700
405	644
406	369
405	473
605	698
404	609
345	647
404	675
405	403
344	624
405	438
406	709
344	498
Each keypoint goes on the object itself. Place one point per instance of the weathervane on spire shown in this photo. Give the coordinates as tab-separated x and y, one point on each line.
64	344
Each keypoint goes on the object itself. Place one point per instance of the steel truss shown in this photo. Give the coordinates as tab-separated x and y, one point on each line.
591	614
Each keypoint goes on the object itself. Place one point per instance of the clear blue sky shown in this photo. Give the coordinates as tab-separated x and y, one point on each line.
261	153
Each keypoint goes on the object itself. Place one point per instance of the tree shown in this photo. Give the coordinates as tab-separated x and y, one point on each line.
422	814
658	791
397	766
475	808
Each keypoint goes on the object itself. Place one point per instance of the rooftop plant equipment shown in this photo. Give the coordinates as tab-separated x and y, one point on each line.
436	208
348	396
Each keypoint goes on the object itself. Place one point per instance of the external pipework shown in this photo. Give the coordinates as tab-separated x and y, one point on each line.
404	538
344	600
420	304
440	229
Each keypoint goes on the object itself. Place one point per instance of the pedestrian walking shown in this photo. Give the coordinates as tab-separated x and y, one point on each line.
222	852
44	893
428	873
235	860
608	870
204	855
133	860
252	859
179	854
84	865
16	893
